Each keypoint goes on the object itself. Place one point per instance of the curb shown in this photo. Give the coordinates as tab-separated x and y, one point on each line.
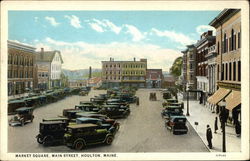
199	135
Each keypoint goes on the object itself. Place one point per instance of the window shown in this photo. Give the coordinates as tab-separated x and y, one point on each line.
230	71
222	72
218	47
234	71
239	70
239	39
226	71
232	40
225	44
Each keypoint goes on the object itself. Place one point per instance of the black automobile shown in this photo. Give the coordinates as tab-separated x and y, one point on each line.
24	114
80	135
97	100
87	108
117	101
109	124
171	111
177	124
166	95
114	111
51	132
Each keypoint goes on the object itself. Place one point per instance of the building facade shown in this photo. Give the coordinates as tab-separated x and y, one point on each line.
51	60
228	60
74	83
124	73
168	81
154	78
206	41
211	67
21	60
189	69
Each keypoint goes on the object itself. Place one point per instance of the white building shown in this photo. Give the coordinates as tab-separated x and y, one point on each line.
54	61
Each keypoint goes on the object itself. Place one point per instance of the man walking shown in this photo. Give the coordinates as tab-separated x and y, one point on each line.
209	137
215	125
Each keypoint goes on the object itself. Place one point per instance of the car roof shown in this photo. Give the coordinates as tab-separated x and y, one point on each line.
52	122
55	119
89	114
76	126
24	108
87	118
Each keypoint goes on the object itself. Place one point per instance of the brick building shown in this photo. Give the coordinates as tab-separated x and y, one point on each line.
124	73
189	69
154	78
206	41
228	45
21	60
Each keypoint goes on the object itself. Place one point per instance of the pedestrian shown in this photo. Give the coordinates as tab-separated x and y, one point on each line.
209	137
215	125
137	101
237	128
200	100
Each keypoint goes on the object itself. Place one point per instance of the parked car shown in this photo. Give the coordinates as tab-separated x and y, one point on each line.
166	95
116	102
83	93
171	110
91	115
51	132
177	124
80	135
24	114
169	101
97	100
114	111
109	123
87	108
15	104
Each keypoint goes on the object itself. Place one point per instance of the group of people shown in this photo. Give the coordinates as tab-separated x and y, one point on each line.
209	134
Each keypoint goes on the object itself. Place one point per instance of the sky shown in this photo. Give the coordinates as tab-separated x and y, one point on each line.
85	38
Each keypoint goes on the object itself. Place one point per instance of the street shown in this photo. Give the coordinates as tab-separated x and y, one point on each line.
142	131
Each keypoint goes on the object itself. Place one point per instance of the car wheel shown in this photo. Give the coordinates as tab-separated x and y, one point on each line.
39	139
79	144
109	140
47	141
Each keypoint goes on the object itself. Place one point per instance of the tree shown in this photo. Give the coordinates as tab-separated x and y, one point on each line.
176	68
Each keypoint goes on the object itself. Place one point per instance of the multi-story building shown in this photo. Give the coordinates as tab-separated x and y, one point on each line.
53	61
211	64
206	40
168	81
21	60
228	45
124	73
72	83
154	78
189	69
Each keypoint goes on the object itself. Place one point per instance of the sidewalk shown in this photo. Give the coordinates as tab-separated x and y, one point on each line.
203	115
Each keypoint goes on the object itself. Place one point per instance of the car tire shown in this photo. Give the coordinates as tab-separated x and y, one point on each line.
39	139
109	140
47	141
79	144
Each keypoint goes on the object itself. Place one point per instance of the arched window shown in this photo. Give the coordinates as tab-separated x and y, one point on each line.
225	44
232	39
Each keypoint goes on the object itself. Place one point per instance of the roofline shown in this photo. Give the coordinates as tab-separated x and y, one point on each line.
222	16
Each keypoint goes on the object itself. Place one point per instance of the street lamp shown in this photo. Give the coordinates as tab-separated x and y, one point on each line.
187	90
222	104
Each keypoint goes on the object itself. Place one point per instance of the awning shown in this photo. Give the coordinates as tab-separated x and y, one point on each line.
218	95
233	100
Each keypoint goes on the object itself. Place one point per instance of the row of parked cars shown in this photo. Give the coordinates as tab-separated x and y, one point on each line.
90	122
172	113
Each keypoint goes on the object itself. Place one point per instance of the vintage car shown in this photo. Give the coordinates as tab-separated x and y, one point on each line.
91	115
86	103
97	100
169	101
152	97
166	95
109	123
24	114
116	102
62	119
171	111
14	104
87	108
80	135
83	93
177	124
70	113
114	111
51	132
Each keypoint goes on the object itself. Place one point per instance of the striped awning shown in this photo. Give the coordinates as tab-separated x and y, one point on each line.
233	100
218	95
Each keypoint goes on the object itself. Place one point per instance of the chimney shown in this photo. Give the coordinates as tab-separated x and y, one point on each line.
134	59
42	53
90	72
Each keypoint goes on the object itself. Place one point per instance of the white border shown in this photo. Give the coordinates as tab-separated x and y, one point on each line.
131	5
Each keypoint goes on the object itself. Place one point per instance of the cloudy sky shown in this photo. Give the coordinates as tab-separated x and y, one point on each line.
85	38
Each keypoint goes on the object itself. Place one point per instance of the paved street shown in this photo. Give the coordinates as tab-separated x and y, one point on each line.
142	131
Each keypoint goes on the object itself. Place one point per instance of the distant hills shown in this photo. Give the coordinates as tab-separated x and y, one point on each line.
81	73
